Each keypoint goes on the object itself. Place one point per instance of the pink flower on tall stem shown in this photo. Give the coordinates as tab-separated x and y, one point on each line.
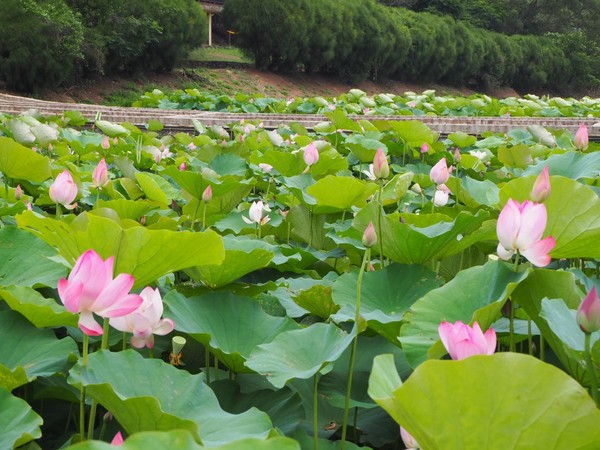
581	138
90	288
145	321
541	187
64	190
588	313
100	174
255	215
520	228
311	154
440	173
462	341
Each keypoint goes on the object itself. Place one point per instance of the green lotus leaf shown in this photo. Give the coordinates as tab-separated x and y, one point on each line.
342	122
127	209
396	188
570	165
385	295
575	225
40	311
457	408
146	254
462	140
413	132
112	129
516	156
477	293
18	422
474	193
334	194
233	326
364	148
155	188
150	395
317	300
22	163
299	353
28	352
242	256
26	260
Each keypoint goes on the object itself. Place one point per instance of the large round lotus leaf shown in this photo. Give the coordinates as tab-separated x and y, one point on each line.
502	401
572	165
146	254
22	163
477	293
150	395
40	311
299	353
27	352
231	325
334	194
18	422
26	260
574	224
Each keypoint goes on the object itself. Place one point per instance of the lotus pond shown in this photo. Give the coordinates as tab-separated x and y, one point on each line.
297	289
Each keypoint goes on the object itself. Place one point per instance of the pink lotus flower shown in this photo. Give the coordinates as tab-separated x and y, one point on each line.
182	167
311	154
64	190
100	175
520	228
18	192
256	213
90	288
369	238
457	155
581	138
207	194
381	168
117	440
145	321
588	313
265	167
462	341
105	143
541	187
441	197
440	173
425	148
409	442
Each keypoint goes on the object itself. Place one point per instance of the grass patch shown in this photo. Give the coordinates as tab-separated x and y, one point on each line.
230	54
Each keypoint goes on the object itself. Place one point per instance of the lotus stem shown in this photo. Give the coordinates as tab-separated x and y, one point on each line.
207	361
204	216
590	365
58	212
542	346
315	412
529	336
366	258
380	213
84	358
94	407
511	330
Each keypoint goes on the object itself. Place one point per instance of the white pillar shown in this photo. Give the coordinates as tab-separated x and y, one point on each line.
210	29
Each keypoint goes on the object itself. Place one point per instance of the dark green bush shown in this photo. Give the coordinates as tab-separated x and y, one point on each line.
40	43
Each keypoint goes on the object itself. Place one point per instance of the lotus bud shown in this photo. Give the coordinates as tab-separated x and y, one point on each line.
588	313
182	167
424	148
440	197
456	155
541	187
117	440
105	143
416	188
440	173
100	174
381	168
311	154
18	192
108	417
581	138
266	167
207	194
192	146
409	442
29	207
64	190
369	238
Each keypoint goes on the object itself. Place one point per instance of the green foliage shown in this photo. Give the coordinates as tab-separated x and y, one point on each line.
40	43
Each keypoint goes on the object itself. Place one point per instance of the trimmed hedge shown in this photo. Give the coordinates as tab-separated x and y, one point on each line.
44	43
359	39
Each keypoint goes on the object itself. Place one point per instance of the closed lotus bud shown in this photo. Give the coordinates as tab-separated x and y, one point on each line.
18	192
581	138
207	194
440	197
311	154
409	442
182	167
100	174
424	148
588	313
369	238
457	155
541	187
416	188
105	143
440	173
381	168
64	190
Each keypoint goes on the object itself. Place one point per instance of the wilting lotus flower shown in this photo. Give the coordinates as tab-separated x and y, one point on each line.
588	313
90	288
369	238
462	341
145	321
311	154
409	442
64	190
100	174
440	173
256	213
520	228
541	187
581	138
